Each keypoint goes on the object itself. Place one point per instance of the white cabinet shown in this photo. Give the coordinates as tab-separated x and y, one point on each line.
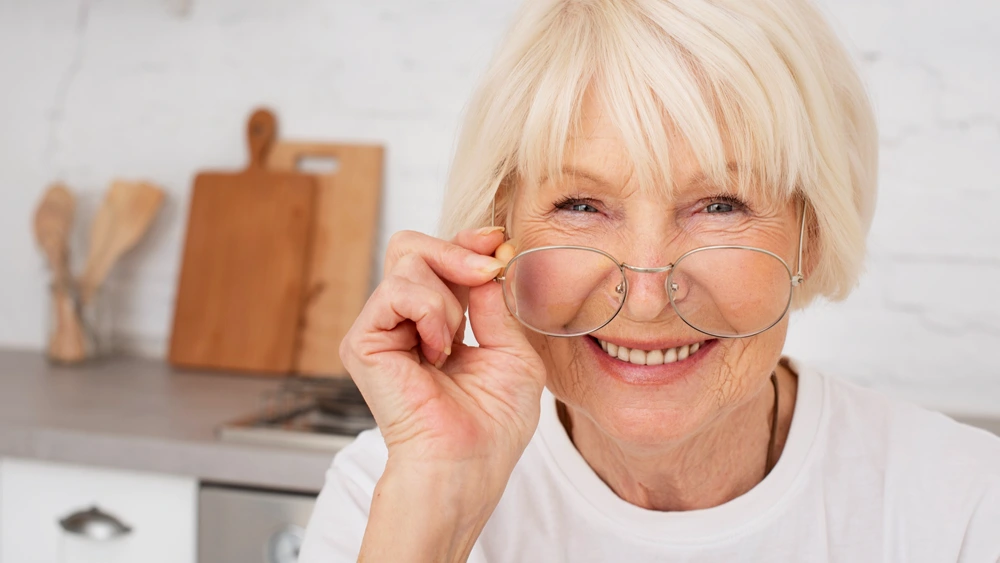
37	498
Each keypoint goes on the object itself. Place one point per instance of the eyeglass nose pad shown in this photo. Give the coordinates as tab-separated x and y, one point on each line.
670	286
620	288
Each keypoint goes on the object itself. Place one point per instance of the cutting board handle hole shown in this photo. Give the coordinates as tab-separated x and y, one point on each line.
317	165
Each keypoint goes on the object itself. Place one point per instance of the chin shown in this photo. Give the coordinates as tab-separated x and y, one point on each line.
641	427
644	393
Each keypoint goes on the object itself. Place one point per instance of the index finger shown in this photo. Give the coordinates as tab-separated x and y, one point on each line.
485	240
453	262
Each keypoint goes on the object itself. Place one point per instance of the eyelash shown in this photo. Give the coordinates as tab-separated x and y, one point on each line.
735	202
566	203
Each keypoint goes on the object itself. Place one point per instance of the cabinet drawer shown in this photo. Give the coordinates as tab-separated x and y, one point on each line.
37	498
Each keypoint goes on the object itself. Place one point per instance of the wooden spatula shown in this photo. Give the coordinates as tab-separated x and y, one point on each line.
53	221
123	218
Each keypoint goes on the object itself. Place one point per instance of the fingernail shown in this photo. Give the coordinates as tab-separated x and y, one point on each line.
435	359
447	342
441	360
486	231
485	264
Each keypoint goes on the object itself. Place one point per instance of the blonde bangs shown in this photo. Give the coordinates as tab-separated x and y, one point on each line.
711	96
746	85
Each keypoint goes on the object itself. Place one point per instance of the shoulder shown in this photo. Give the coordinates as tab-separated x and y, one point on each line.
933	477
928	441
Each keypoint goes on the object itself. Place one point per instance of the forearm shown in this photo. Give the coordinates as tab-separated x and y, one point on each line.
420	515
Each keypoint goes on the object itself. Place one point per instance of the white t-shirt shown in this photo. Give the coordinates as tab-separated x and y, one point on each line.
861	478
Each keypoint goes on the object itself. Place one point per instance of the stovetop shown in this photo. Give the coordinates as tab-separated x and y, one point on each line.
325	414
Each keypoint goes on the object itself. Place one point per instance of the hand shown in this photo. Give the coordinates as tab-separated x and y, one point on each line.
439	403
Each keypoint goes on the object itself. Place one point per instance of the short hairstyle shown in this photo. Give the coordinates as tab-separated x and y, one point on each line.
759	82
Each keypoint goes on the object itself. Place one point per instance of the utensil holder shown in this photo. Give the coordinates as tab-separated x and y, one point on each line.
77	331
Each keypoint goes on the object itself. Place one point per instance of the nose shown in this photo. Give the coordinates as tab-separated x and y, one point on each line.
647	297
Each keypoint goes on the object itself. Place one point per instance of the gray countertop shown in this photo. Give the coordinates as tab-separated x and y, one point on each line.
142	415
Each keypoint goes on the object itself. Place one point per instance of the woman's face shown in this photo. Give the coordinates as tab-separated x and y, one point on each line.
598	203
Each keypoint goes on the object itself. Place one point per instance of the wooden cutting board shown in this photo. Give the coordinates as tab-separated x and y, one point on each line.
340	264
244	269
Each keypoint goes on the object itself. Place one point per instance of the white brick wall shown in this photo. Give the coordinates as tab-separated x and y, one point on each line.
160	89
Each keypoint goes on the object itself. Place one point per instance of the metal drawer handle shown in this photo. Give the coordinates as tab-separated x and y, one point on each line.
95	524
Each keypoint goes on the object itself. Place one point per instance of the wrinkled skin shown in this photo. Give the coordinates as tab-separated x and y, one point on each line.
650	441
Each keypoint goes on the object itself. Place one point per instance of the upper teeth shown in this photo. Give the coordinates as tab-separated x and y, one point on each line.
651	357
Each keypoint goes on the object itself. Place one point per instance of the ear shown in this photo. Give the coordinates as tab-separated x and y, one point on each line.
810	236
811	249
811	254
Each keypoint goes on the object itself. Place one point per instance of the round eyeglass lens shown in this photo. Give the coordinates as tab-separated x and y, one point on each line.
564	291
730	292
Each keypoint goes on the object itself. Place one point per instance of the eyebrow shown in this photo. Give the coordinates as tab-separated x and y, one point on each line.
581	173
700	179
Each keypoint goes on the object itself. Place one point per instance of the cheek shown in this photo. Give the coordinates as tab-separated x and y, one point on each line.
565	374
744	362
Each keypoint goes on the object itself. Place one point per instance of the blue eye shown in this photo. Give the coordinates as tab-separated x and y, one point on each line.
576	206
720	208
725	204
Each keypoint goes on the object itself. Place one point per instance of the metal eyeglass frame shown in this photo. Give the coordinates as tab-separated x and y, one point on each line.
795	279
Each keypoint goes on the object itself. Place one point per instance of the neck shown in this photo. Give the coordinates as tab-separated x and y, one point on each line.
704	470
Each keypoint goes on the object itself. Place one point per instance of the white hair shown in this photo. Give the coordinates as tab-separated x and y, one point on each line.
762	83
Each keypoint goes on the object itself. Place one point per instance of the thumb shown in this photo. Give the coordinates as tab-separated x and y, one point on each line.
492	324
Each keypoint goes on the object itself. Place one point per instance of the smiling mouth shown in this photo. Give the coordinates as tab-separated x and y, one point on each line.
650	357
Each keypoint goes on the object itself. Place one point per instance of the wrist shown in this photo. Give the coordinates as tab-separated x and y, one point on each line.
461	493
423	512
474	478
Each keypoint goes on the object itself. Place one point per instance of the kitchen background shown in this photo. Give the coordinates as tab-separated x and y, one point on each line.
158	89
94	90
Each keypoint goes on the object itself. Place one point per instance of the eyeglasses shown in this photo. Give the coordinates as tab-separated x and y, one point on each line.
724	291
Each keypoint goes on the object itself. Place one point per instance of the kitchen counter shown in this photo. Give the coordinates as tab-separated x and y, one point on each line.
142	415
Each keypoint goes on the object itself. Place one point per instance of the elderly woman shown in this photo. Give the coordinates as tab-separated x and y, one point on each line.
669	178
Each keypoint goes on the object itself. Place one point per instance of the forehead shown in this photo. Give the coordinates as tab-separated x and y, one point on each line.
644	146
596	156
595	146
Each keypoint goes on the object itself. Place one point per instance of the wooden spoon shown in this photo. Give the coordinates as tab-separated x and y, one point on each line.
124	216
53	221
